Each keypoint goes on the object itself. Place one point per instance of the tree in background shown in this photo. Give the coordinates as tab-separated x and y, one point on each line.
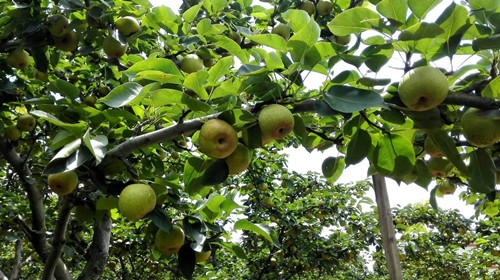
100	96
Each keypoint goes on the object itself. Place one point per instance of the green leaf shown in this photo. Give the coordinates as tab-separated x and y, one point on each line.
211	210
393	156
393	9
491	210
260	229
217	173
355	20
320	51
424	175
359	147
237	250
196	81
421	7
300	43
72	162
64	88
106	203
96	145
270	40
159	64
220	69
193	170
332	168
455	21
122	95
273	61
159	76
229	45
492	42
296	19
483	4
190	14
77	128
229	204
446	144
492	90
347	99
482	172
432	199
160	219
420	30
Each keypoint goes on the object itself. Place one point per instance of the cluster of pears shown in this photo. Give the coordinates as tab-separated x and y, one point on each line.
128	26
25	122
323	8
64	39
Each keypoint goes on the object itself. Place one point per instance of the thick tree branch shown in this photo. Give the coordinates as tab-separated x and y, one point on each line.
35	198
472	101
58	240
16	268
99	250
2	275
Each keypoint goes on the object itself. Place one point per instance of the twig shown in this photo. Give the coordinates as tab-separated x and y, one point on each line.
365	117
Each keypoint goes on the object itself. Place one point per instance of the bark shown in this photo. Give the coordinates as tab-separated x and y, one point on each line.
16	268
99	250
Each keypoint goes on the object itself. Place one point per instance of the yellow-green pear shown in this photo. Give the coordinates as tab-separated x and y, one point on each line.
479	130
324	7
19	59
239	160
41	76
423	88
263	187
169	242
439	167
268	201
431	149
342	40
63	183
113	48
136	200
275	122
57	24
12	133
445	187
217	139
67	42
202	256
26	122
191	63
104	90
90	100
282	30
308	6
127	25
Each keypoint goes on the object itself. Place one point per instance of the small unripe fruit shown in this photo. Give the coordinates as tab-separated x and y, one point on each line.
127	25
191	63
12	133
26	122
90	100
63	183
324	7
308	6
57	24
67	42
18	59
113	48
282	30
169	242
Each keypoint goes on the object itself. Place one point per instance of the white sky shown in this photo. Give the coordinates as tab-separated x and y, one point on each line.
302	161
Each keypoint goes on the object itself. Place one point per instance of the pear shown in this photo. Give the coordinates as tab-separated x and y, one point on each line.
90	100
446	188
67	42
191	63
63	183
239	160
423	88
57	24
113	48
431	149
202	256
342	40
439	167
325	7
308	6
127	25
12	133
169	242
217	139
41	76
282	30
26	122
136	200
479	130
275	122
18	59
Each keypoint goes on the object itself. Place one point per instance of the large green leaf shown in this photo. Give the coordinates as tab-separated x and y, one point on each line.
296	19
420	30
220	69
230	45
196	81
482	171
393	156
122	95
270	40
492	42
446	144
492	90
159	64
304	39
355	21
349	100
393	9
320	51
455	21
96	145
260	229
190	14
64	88
359	147
332	168
77	128
421	7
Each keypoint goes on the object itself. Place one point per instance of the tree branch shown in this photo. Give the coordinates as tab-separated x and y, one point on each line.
59	239
463	99
99	250
16	268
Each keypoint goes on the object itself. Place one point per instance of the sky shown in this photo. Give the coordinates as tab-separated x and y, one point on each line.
301	161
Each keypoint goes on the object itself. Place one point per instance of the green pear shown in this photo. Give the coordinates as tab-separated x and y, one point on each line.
431	149
202	256
263	187
342	40
90	100
423	88
12	133
63	183
57	24
308	6
282	30
325	7
191	63
217	139
239	160
26	122
169	242
479	130
103	91
67	42
446	188
268	201
41	76
18	59
439	167
275	122
113	48
127	25
136	200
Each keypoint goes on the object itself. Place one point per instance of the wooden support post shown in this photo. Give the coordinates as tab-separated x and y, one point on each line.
388	233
